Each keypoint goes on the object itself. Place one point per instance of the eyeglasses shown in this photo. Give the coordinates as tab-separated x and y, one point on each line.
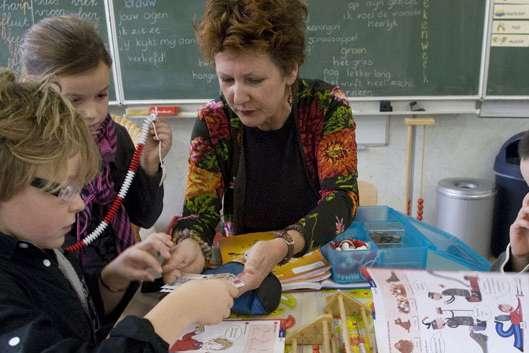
66	193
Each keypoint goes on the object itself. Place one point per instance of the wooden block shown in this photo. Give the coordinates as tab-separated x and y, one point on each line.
311	333
422	121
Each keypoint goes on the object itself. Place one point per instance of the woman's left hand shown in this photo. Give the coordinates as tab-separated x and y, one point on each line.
260	261
150	159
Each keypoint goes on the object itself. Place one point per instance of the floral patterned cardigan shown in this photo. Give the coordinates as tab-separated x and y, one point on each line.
326	134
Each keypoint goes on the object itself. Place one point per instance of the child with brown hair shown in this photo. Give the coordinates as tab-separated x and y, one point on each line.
69	52
47	155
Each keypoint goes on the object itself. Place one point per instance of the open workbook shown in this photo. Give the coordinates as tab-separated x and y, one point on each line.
445	312
233	336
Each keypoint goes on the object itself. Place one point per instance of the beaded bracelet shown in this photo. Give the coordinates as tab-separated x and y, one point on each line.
297	227
180	235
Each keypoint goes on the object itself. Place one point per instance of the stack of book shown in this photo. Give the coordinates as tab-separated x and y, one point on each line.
305	272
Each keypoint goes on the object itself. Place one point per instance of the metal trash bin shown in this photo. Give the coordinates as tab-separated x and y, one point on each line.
465	209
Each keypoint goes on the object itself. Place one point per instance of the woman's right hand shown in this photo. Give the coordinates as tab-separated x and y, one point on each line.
186	257
195	302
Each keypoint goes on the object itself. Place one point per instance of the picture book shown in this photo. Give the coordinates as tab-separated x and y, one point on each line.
233	336
441	312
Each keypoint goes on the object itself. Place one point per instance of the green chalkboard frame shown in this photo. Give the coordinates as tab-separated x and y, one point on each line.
402	59
475	69
507	76
17	17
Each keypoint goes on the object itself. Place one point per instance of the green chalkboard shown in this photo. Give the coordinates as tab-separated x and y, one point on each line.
158	52
371	48
17	16
397	47
508	73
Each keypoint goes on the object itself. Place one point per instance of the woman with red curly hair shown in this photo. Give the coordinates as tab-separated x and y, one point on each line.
274	151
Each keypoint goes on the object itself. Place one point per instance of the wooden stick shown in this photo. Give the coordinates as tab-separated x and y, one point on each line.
334	349
411	123
407	171
326	337
343	319
367	328
294	345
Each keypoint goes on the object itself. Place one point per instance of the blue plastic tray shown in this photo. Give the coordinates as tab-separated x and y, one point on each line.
421	246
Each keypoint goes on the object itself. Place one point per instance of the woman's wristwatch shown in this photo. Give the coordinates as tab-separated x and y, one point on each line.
287	238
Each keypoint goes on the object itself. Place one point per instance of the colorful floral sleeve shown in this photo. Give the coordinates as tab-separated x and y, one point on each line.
204	188
336	159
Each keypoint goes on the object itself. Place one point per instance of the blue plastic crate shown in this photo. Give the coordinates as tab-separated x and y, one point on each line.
421	246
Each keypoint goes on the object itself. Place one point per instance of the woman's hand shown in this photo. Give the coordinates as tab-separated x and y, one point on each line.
140	262
519	237
186	257
260	261
150	158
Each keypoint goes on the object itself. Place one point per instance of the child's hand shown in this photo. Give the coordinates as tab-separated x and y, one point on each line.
196	302
150	159
187	257
206	301
139	262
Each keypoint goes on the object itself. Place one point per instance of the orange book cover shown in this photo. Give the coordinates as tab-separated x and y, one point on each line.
232	248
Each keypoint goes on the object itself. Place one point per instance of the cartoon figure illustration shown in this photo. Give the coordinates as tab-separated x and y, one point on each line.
189	343
403	305
392	278
404	324
404	346
455	322
472	294
481	339
515	316
398	290
186	343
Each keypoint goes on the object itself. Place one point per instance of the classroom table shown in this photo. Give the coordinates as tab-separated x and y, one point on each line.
299	308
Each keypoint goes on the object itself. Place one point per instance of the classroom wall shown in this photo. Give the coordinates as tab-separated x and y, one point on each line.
458	145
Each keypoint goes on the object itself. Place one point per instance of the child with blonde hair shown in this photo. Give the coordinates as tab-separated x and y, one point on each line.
46	304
